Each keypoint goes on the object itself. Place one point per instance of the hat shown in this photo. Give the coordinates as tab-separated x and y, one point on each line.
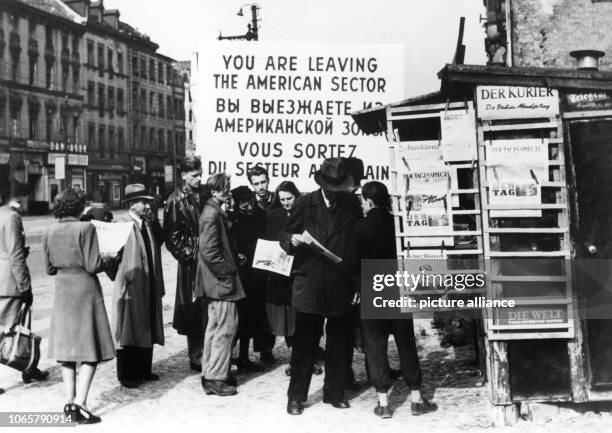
333	175
355	168
242	193
136	191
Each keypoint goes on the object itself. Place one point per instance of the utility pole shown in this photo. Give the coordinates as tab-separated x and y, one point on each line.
252	33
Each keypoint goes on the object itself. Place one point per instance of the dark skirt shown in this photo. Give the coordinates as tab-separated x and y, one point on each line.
281	319
79	324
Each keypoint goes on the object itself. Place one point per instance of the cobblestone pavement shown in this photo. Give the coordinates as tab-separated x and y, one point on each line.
176	402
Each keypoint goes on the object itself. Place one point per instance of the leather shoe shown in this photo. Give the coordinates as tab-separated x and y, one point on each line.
353	386
36	374
295	407
248	365
129	384
151	377
83	416
338	404
195	367
231	381
383	411
267	356
218	387
423	408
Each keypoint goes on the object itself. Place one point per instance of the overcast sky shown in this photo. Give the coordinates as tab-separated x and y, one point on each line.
427	29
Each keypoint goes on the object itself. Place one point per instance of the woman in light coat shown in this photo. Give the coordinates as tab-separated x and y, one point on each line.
79	325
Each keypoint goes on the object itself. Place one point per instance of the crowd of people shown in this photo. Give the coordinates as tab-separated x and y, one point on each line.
222	301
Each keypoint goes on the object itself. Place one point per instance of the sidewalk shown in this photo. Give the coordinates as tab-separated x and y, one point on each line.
177	403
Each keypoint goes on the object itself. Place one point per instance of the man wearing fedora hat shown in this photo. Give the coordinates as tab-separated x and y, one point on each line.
139	288
321	288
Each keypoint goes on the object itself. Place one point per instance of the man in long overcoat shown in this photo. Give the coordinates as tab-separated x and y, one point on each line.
181	233
139	288
15	283
322	289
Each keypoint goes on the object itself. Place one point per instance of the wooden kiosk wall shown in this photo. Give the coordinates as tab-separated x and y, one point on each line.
503	238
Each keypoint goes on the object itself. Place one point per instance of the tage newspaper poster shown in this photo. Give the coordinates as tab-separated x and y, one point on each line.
516	170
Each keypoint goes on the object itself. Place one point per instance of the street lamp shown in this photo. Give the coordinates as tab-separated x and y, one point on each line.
252	33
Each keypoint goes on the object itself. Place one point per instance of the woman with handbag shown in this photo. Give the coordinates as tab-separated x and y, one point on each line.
79	324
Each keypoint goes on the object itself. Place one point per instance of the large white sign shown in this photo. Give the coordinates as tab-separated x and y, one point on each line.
512	102
286	106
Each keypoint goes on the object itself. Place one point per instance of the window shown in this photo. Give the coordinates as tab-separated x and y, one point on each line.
168	75
151	139
14	120
111	142
65	73
152	104
169	141
111	101
102	141
160	140
33	124
119	62
91	136
121	140
109	63
100	60
190	115
120	101
32	72
49	75
2	119
160	101
190	136
14	68
75	129
101	100
49	126
91	94
135	136
90	53
135	66
135	102
63	129
160	72
151	69
189	95
143	68
76	70
143	101
169	106
143	136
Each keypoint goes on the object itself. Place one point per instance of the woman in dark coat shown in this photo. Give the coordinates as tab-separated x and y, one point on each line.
281	316
79	325
374	238
249	225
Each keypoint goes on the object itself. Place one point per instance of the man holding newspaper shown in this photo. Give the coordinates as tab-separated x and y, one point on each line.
318	233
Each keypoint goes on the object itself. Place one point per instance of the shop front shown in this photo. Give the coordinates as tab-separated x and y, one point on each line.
526	155
106	183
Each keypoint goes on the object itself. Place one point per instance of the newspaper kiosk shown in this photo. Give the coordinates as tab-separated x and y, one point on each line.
527	152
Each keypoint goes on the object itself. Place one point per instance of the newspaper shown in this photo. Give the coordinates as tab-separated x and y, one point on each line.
318	247
112	236
269	256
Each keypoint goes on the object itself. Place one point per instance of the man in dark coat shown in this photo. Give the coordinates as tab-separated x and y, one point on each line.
181	228
322	289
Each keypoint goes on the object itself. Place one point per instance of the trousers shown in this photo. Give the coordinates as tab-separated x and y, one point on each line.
219	339
134	363
375	342
305	340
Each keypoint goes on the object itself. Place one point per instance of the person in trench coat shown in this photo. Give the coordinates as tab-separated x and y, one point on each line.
181	233
15	283
139	288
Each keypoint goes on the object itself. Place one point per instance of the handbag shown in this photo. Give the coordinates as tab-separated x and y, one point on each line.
19	346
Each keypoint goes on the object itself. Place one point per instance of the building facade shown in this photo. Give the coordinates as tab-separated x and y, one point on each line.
542	33
184	70
41	102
